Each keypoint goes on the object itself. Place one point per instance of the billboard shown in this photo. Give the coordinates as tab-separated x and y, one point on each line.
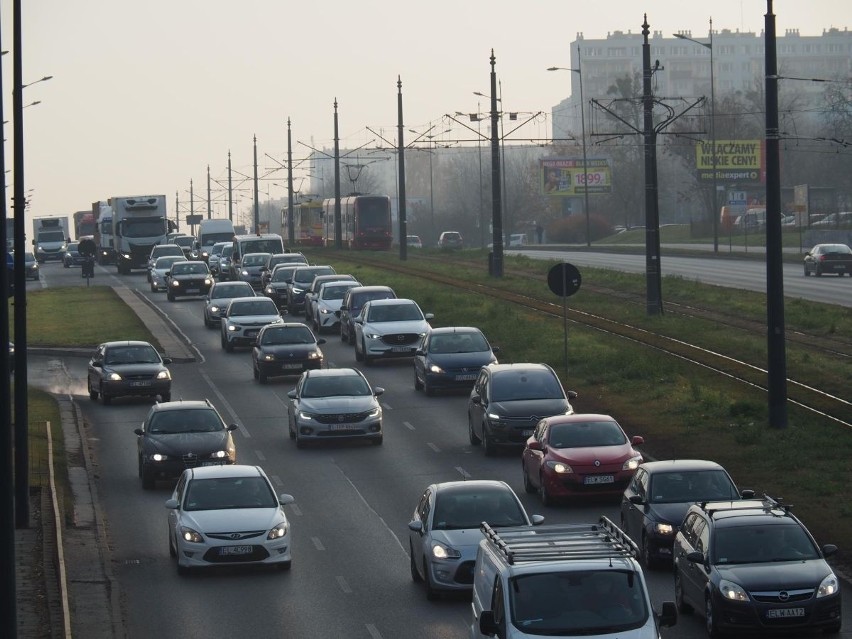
736	161
565	176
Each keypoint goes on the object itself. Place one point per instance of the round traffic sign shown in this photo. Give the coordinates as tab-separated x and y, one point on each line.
564	279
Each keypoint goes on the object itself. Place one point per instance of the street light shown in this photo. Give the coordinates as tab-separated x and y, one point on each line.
709	46
579	72
44	79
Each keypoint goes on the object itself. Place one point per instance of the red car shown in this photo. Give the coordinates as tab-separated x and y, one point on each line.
572	455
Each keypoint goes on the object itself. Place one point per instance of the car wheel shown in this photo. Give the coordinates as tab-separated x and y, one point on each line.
172	549
229	346
359	356
183	571
680	602
528	487
350	337
291	432
474	440
170	297
649	562
284	565
146	477
65	264
817	271
153	288
300	443
710	618
807	273
106	399
166	397
431	593
543	493
343	336
427	387
254	371
487	444
417	384
415	576
93	394
261	377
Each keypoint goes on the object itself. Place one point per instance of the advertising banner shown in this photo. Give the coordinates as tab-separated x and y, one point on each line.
565	176
737	161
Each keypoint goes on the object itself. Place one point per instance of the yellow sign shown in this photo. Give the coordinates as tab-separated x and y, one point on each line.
563	176
735	160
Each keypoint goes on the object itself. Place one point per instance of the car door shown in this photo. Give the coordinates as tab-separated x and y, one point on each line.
693	575
96	372
633	515
420	540
477	409
177	494
420	357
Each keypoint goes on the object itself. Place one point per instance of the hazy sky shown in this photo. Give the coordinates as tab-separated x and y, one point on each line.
145	95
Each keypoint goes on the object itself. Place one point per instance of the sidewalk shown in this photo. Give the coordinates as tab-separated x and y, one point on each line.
89	592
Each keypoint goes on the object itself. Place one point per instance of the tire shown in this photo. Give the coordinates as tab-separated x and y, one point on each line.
183	571
93	394
222	340
261	377
431	593
146	477
682	607
710	619
300	443
417	384
343	338
543	494
647	560
528	487
254	371
488	446
350	337
166	397
172	549
229	346
817	271
428	388
359	356
284	566
291	433
170	297
153	288
807	274
106	399
415	576
65	264
474	440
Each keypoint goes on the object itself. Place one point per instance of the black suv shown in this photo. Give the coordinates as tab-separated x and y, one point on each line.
353	300
303	277
753	567
508	400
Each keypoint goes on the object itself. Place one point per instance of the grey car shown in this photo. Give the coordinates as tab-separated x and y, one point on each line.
128	368
389	329
332	404
217	300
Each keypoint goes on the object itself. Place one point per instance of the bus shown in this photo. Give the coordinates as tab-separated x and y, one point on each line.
365	222
307	223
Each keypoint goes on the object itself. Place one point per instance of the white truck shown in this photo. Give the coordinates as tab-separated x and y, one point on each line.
210	232
50	237
103	232
138	224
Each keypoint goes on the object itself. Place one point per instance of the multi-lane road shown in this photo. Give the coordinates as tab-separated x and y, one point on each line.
350	574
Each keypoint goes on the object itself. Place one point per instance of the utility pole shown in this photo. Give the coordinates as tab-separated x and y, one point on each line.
403	231
338	229
209	205
654	302
496	265
230	191
291	231
256	196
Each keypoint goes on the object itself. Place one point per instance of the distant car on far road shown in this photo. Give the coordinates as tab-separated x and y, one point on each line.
451	240
413	241
828	258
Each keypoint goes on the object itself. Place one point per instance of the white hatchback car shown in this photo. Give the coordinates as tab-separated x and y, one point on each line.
329	297
244	318
389	328
228	515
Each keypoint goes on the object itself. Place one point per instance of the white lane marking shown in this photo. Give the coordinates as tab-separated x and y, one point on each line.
374	632
463	472
225	403
408	425
343	585
433	447
373	510
296	510
317	543
276	480
260	455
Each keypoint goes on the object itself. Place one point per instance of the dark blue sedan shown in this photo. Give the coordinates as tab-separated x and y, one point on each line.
449	358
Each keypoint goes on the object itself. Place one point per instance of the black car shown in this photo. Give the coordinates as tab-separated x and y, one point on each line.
353	300
31	268
828	258
285	349
752	567
296	259
656	500
508	400
128	368
72	255
188	279
303	277
278	284
450	358
219	296
180	435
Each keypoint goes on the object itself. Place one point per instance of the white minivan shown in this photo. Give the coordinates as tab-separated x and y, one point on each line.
564	580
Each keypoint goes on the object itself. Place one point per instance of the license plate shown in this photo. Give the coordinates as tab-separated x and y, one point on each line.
401	349
342	427
211	463
599	479
251	333
193	291
465	378
526	433
292	366
235	550
142	383
783	613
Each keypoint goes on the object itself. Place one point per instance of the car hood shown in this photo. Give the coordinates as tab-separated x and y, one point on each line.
461	360
254	319
344	404
587	456
408	326
785	575
182	443
669	513
465	540
190	276
331	305
134	369
232	519
530	407
293	350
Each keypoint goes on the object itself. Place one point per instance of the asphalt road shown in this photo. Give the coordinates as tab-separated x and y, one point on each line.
350	574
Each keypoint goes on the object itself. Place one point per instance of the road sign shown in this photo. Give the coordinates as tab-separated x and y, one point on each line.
192	220
564	279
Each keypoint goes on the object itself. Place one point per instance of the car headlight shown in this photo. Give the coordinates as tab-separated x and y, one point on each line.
376	411
314	355
233	327
326	311
305	416
208	281
164	375
632	463
270	290
559	467
278	531
493	417
219	454
434	368
373	336
214	309
191	535
440	551
114	377
244	273
663	529
297	290
175	283
829	586
269	357
732	591
158	457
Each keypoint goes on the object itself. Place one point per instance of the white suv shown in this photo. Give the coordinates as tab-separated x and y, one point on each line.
389	328
565	580
244	318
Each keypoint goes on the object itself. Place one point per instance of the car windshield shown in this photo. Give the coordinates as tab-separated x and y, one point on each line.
229	291
461	510
260	307
757	543
287	335
131	355
184	241
335	292
306	276
840	249
691	486
358	301
229	493
283	275
522	385
166	262
458	343
255	259
73	247
577	603
336	386
586	434
394	313
193	420
189	269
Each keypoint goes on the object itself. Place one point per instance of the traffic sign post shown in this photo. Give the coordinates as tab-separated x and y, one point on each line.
564	280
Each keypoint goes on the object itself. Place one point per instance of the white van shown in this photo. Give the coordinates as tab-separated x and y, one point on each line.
518	239
565	580
752	219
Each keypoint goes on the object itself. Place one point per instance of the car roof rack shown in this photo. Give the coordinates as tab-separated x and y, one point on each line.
561	542
766	503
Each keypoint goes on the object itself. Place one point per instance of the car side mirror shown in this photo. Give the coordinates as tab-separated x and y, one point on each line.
495	349
636	500
415	526
97	363
534	444
321	340
476	399
172	504
828	550
139	432
231	427
637	440
537	520
285	498
167	360
168	273
747	493
292	394
378	390
429	316
668	614
420	351
695	556
572	394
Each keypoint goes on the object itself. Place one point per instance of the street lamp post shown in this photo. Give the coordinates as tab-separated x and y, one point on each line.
709	46
579	72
